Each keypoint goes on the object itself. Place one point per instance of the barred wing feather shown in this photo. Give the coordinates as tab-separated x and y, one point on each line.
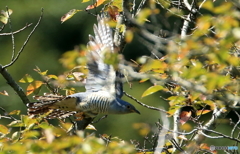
101	76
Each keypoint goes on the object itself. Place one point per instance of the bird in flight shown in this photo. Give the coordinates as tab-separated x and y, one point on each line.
103	84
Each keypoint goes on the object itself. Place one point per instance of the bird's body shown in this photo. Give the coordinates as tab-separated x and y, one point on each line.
103	91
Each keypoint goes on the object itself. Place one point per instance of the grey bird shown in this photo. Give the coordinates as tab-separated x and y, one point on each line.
103	84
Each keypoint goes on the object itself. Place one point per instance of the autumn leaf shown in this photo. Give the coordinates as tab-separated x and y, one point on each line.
96	4
4	92
26	79
5	15
129	36
185	116
15	112
33	86
3	129
152	90
69	15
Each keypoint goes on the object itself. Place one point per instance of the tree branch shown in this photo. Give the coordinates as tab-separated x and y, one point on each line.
25	43
15	32
14	85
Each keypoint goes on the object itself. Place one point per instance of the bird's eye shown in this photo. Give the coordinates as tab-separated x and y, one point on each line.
128	107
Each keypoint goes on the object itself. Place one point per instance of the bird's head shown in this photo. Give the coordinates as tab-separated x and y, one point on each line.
119	106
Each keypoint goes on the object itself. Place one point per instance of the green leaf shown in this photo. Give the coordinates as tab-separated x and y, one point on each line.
152	90
3	129
69	15
5	15
26	79
15	112
52	76
33	86
16	123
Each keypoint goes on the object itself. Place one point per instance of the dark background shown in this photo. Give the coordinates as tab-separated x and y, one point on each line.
50	41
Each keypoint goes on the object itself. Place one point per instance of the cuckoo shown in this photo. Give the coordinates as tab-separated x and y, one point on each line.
103	84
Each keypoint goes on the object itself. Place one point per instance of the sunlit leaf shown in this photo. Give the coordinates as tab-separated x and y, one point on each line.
4	92
184	116
26	79
3	129
5	15
67	126
176	100
3	19
52	76
91	127
207	5
128	36
16	123
31	134
223	8
33	86
143	15
69	15
15	112
113	11
144	80
152	90
84	1
201	112
16	135
96	4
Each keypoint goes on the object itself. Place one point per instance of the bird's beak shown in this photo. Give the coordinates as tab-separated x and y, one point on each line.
136	111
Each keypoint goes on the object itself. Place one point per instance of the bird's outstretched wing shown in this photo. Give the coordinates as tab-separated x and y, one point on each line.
101	76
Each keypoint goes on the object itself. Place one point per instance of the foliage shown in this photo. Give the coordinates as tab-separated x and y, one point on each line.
39	136
198	69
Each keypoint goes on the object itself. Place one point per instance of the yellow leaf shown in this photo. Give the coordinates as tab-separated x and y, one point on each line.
69	15
26	79
52	77
5	15
84	1
152	90
91	127
201	112
33	86
96	4
4	92
143	80
3	129
15	112
128	36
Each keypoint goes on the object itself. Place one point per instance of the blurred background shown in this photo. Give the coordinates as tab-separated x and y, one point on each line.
50	40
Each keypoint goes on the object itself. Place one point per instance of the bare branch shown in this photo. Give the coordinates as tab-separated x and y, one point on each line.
236	125
25	43
15	32
14	85
13	42
144	105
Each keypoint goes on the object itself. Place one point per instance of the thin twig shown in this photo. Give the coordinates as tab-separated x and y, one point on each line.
15	32
235	126
7	115
25	43
144	105
12	36
3	26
